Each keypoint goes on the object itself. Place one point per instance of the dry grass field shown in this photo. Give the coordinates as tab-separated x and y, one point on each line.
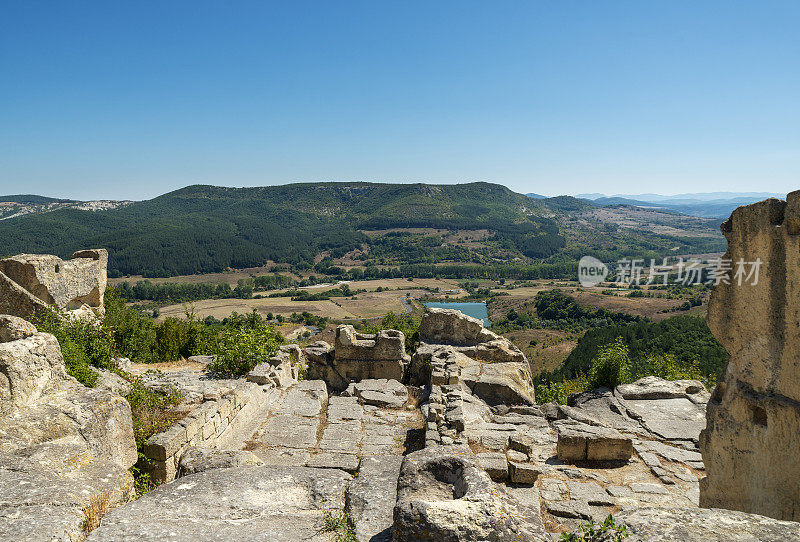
550	350
371	304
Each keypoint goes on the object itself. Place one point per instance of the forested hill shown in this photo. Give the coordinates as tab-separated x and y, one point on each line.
204	228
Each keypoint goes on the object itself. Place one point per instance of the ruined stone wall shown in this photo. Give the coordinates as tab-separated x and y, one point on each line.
751	446
29	282
206	426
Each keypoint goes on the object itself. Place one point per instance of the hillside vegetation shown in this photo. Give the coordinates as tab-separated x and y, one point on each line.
202	229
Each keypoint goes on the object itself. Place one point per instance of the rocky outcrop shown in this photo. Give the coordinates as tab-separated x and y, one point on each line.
30	362
752	440
65	449
443	495
31	282
467	335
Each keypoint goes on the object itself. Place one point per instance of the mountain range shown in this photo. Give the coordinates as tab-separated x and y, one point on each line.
201	229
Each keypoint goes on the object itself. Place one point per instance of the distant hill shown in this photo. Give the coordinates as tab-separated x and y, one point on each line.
708	205
201	229
27	204
536	196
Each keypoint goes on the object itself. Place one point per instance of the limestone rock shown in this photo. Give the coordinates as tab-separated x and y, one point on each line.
108	381
443	495
359	356
750	446
29	366
703	525
29	282
450	326
580	442
379	392
65	449
197	459
652	387
243	504
13	328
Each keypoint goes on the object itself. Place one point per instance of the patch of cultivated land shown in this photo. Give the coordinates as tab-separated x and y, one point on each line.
550	350
370	304
648	307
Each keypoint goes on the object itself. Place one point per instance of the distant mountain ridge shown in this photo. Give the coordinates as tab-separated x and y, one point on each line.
200	229
708	205
27	204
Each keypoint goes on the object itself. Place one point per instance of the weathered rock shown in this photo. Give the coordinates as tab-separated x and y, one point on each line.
334	460
65	449
652	387
29	282
703	525
30	366
453	327
371	497
108	381
13	328
359	356
197	459
495	464
245	503
379	392
504	384
750	447
579	442
444	496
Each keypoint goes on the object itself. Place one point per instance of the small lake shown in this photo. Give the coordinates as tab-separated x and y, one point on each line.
476	310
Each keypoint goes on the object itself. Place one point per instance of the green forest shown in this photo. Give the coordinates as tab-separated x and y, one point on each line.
202	229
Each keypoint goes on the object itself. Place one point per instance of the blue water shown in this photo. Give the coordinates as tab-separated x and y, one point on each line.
476	310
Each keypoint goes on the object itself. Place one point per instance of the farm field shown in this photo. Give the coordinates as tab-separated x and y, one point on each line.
365	305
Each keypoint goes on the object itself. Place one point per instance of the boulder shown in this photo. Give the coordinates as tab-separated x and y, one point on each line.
65	449
29	365
379	392
443	496
197	459
751	445
453	327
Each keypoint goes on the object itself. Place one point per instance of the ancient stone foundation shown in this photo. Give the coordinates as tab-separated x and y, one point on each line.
751	446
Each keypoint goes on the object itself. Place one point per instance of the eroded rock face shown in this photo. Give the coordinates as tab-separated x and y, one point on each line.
29	364
29	282
443	495
450	326
750	446
65	449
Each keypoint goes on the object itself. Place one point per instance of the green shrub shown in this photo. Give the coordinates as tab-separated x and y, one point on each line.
83	344
243	345
611	367
608	531
559	391
152	412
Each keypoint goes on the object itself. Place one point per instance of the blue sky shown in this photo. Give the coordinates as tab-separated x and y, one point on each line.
133	99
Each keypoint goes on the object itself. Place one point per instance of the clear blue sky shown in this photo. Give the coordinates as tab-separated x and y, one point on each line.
132	99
